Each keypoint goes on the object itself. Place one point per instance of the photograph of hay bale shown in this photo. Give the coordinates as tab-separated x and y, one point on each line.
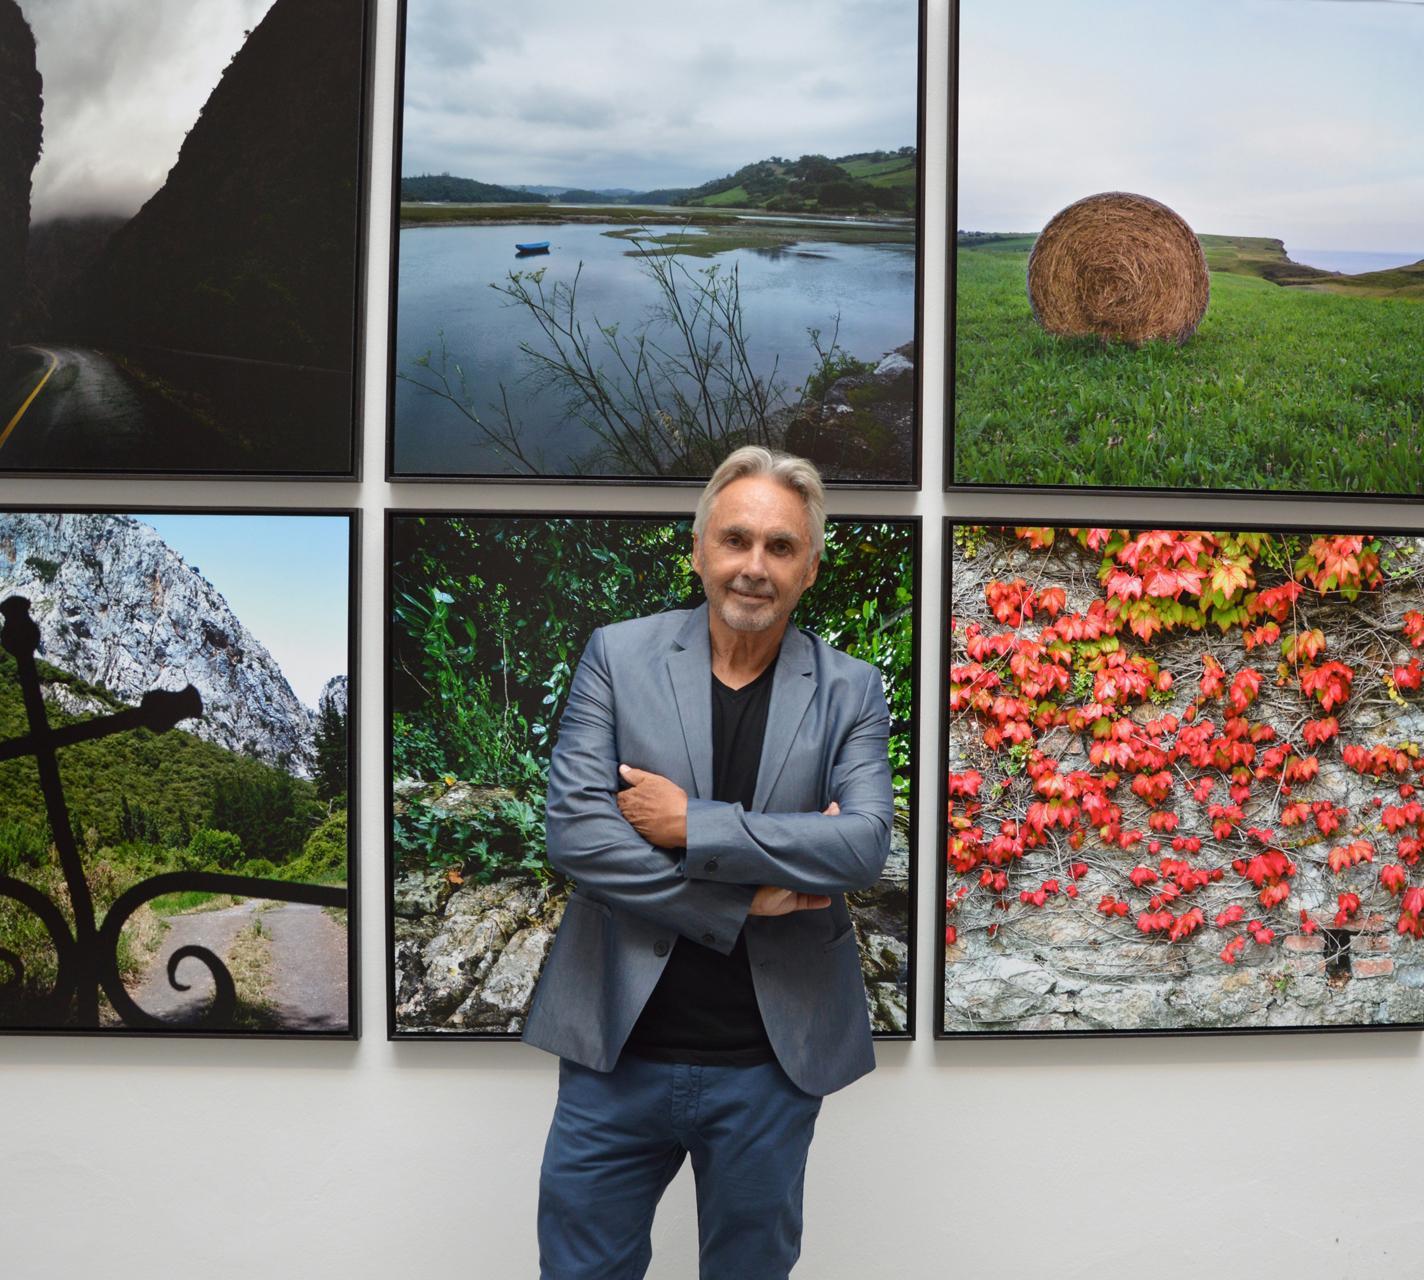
1184	258
488	616
181	212
1182	780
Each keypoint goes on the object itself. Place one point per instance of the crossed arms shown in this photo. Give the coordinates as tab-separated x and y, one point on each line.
707	893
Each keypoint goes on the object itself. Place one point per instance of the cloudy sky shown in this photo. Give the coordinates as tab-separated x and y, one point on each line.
124	80
1295	119
285	577
650	93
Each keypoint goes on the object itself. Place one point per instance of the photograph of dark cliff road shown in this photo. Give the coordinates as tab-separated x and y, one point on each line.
181	197
626	242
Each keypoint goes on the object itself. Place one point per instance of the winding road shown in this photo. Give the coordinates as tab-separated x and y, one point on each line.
306	987
81	412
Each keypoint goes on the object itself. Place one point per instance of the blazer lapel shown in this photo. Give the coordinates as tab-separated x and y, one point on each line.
792	688
690	667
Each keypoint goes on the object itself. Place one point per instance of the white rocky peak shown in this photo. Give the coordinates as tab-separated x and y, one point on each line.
118	608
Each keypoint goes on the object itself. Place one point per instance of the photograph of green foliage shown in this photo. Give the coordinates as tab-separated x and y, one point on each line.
182	243
487	617
1284	134
1182	780
621	249
175	748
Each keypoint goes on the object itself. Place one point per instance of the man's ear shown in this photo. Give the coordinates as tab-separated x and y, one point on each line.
812	572
696	555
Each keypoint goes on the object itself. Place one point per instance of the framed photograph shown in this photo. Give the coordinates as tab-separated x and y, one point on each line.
487	616
621	249
1181	261
175	754
183	256
1181	778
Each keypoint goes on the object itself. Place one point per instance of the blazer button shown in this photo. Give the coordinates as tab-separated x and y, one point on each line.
711	865
660	948
709	938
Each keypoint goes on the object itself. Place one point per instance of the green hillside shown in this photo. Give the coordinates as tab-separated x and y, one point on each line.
899	171
161	787
867	182
441	187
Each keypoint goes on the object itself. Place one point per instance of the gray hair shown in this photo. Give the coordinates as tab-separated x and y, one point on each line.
798	475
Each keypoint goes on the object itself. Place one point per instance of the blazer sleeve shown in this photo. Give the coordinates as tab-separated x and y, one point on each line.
590	840
808	852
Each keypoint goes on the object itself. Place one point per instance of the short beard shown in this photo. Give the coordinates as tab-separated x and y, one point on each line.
740	616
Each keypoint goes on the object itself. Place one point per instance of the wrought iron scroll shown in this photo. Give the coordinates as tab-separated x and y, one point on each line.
88	954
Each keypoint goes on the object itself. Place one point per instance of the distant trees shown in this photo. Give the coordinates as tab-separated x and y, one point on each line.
331	750
269	811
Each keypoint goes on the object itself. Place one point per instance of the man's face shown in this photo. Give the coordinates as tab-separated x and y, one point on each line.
754	556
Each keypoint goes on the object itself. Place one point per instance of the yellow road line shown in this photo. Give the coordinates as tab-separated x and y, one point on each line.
30	399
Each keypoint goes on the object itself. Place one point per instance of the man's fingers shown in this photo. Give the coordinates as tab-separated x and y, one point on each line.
772	901
633	776
831	810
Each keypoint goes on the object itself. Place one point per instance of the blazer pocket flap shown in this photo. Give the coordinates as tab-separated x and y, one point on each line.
844	936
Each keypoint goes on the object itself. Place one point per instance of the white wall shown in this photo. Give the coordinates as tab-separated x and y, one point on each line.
1265	1156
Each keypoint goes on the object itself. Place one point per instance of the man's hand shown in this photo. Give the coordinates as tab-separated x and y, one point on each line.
771	901
654	806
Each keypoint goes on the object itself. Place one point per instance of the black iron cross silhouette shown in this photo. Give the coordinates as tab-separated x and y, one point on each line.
88	957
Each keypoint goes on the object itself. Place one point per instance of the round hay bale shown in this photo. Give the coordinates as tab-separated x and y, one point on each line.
1120	266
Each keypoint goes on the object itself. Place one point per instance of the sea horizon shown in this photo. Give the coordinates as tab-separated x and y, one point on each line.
1353	262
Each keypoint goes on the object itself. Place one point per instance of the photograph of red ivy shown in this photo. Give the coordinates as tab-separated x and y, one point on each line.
1183	780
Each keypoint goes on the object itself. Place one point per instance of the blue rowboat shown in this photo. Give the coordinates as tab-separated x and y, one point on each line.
534	246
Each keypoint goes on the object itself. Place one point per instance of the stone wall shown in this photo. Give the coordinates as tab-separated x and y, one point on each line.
467	956
1023	958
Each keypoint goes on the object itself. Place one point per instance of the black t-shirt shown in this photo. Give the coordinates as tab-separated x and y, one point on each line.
704	1008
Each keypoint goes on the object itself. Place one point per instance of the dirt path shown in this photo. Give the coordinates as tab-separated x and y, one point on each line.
308	987
306	984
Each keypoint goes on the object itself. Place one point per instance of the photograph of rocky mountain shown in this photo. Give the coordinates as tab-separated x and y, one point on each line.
1182	780
626	246
487	617
181	194
174	759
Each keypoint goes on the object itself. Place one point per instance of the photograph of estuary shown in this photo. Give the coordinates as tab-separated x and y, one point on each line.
630	277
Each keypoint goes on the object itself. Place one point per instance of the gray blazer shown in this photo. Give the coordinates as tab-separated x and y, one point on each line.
642	696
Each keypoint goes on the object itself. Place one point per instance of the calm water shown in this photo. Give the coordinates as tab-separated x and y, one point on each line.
445	278
1352	262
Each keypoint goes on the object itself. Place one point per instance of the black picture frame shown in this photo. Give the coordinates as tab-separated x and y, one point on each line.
912	482
181	390
941	1032
347	899
1410	488
910	728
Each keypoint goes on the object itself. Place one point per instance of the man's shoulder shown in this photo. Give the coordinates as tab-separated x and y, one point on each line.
651	630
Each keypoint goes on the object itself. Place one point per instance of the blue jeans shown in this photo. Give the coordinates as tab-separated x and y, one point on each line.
618	1138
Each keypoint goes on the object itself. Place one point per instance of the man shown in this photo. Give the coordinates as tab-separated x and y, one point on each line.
721	779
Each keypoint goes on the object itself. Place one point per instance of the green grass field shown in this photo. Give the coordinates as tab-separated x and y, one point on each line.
898	172
1318	388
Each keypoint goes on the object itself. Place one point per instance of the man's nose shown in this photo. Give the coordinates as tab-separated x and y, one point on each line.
756	563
